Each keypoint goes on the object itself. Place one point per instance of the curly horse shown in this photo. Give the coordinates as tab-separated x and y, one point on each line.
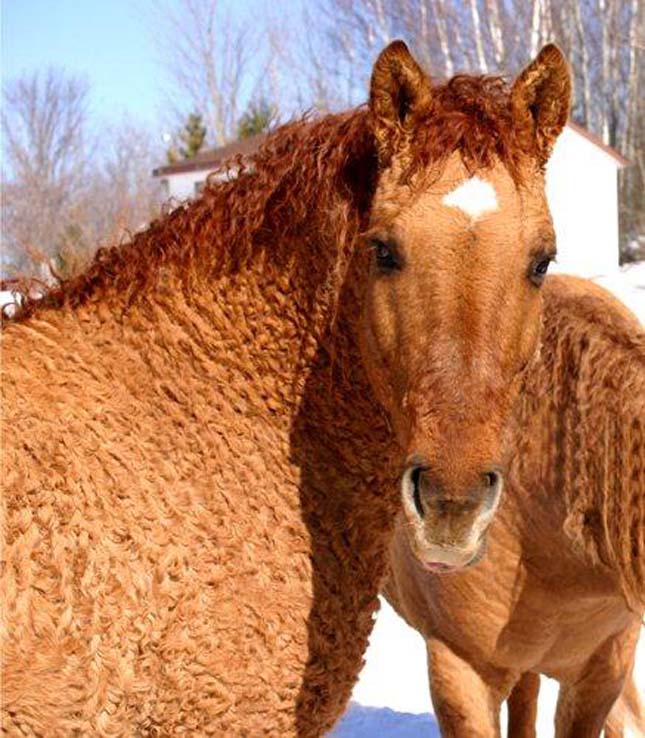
561	590
204	431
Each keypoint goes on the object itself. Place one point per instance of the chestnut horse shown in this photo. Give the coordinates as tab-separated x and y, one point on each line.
200	480
561	590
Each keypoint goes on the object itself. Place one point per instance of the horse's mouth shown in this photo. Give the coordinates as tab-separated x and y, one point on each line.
435	567
460	564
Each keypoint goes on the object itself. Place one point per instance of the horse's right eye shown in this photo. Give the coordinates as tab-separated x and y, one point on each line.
385	256
539	268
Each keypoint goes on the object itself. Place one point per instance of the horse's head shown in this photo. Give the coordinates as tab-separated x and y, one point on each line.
461	237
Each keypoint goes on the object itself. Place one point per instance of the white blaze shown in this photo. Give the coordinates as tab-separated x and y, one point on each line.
474	197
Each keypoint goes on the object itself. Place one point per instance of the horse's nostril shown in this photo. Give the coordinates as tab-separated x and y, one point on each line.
416	495
491	478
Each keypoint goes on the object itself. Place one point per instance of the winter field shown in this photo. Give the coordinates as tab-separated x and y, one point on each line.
392	699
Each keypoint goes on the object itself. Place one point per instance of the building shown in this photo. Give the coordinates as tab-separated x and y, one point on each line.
185	179
582	187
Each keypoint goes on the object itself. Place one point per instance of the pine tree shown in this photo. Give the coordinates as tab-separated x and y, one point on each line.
258	118
190	140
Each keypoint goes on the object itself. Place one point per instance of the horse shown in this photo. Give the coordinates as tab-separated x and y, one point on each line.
561	590
203	432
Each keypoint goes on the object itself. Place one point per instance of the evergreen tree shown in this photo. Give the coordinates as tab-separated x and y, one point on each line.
191	139
258	118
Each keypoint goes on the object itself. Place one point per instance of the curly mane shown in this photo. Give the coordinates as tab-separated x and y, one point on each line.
593	374
311	182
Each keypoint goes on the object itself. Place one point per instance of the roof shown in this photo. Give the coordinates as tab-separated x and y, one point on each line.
622	161
211	159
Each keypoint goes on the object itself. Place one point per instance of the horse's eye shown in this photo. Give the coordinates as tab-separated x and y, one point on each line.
385	255
539	269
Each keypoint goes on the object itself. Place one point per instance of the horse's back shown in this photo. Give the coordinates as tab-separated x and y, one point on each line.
576	298
592	342
584	414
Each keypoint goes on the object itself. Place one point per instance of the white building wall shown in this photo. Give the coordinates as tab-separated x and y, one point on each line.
583	195
182	186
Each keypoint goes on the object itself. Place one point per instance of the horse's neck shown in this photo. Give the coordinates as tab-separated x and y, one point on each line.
266	331
249	323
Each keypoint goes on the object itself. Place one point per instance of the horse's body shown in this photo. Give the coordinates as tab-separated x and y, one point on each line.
200	480
566	552
174	559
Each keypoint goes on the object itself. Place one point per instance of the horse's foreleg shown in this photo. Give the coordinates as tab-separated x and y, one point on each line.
585	702
465	705
522	707
627	716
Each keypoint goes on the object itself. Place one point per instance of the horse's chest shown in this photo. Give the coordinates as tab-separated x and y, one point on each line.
561	626
509	616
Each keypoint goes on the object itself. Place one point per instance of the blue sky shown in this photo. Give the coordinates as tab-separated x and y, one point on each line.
118	48
115	45
111	44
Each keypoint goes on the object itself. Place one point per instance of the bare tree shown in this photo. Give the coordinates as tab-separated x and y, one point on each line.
61	196
632	184
208	57
119	198
302	75
44	162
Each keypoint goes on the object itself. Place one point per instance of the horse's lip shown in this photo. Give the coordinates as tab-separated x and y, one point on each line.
440	567
437	567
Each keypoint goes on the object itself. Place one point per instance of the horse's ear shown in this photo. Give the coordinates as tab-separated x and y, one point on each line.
398	87
541	100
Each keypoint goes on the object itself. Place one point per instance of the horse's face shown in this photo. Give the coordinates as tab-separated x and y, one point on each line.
452	315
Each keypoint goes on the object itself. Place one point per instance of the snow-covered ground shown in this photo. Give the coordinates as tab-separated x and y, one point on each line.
391	698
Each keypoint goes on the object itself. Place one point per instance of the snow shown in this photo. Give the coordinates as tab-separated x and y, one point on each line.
8	300
392	695
395	672
374	722
628	284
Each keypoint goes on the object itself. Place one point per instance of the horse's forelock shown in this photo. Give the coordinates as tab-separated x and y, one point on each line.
472	116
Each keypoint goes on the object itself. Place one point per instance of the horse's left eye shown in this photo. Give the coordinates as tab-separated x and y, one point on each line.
539	269
385	255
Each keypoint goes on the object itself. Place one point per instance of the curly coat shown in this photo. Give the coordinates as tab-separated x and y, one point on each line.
199	485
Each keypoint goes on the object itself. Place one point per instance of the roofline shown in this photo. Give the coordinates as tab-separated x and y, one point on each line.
622	161
206	165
